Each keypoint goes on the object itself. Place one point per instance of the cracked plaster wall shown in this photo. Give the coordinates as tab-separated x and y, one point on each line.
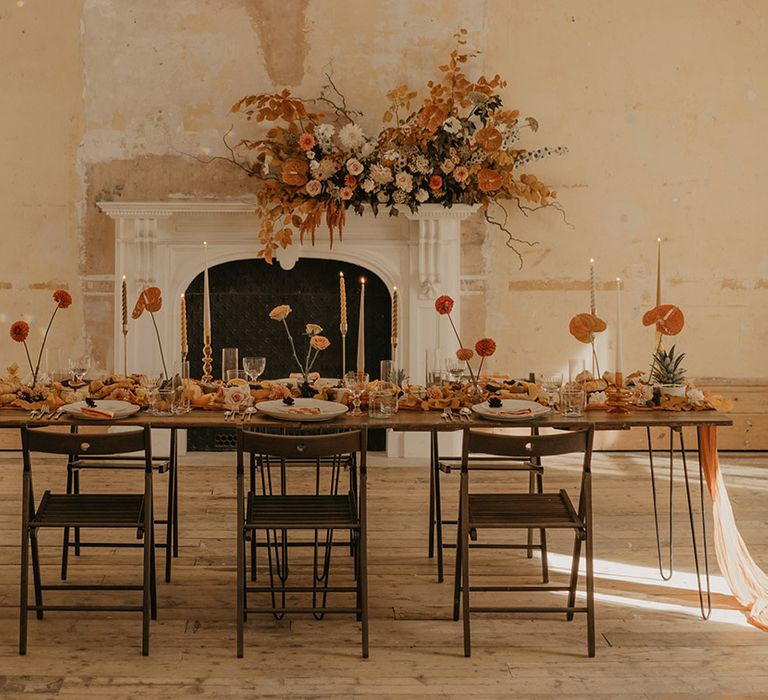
662	117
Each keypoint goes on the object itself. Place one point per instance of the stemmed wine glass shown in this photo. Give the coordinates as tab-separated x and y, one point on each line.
78	368
357	383
254	367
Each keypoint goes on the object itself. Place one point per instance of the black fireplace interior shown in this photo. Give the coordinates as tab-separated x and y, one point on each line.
243	292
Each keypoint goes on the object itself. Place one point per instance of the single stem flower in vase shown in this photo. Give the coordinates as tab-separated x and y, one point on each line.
20	333
317	343
151	300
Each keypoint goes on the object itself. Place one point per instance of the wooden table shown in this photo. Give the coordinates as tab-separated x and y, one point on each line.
432	422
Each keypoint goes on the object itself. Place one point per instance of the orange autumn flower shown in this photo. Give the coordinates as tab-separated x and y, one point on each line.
435	182
279	313
350	181
485	347
464	354
306	141
345	193
319	342
489	180
19	331
489	138
149	300
63	298
460	173
294	172
444	304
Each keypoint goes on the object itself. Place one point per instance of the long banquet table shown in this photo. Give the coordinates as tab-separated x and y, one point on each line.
745	579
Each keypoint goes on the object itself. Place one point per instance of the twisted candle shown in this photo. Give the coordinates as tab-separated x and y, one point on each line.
184	346
343	302
395	322
592	286
124	289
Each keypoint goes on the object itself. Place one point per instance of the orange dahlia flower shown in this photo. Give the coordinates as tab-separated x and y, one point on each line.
444	304
485	347
19	331
63	298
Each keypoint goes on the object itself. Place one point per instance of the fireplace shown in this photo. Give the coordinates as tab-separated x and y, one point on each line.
160	243
242	294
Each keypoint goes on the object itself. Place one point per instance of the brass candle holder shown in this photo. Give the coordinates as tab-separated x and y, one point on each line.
207	359
618	400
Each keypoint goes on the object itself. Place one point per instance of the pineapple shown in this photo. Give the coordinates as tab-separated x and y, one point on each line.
666	367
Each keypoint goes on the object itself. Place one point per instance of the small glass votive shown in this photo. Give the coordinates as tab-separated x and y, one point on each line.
572	400
382	404
162	402
236	374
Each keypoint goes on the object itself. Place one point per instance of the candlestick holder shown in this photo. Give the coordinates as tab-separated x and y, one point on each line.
618	400
343	351
207	359
394	349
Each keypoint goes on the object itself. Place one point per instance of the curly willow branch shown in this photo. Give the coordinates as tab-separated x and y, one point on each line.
511	239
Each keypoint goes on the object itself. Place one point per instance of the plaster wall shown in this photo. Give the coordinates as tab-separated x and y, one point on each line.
663	107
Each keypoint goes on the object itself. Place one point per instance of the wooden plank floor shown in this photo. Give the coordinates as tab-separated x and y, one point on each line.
651	641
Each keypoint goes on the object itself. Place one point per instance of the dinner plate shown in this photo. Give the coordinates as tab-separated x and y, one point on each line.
505	412
317	383
121	409
310	410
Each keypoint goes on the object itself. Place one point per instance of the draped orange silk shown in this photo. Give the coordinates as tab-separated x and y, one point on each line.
748	583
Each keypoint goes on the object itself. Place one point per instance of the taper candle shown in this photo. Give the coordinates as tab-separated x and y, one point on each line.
343	303
619	339
658	272
361	329
124	291
206	297
395	322
184	346
592	286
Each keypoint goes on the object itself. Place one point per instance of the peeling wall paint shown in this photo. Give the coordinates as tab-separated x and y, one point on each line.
662	120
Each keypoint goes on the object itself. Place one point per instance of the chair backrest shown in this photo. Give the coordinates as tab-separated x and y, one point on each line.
301	446
51	442
532	447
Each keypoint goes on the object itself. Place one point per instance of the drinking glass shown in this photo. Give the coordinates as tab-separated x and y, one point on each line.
236	374
254	367
356	382
435	366
182	403
550	383
387	371
455	369
78	368
382	404
228	361
162	402
572	399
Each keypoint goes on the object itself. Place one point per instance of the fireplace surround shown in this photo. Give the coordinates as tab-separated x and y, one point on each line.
160	243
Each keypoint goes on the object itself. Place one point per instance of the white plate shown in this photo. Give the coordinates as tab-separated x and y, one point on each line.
318	383
277	409
507	405
121	409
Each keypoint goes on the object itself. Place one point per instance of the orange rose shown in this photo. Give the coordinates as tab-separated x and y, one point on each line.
350	181
295	172
435	182
319	342
279	313
489	138
489	180
460	173
345	193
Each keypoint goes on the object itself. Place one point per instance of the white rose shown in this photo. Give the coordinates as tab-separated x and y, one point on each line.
368	185
354	166
381	174
367	148
422	195
313	188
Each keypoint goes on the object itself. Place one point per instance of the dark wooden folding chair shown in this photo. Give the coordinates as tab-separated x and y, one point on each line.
132	511
165	464
503	511
317	512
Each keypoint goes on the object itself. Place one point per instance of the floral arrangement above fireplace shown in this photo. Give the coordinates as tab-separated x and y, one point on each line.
458	146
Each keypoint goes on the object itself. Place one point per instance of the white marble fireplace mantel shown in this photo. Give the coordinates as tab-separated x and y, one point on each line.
160	244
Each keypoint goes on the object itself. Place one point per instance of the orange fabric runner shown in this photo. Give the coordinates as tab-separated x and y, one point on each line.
748	583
